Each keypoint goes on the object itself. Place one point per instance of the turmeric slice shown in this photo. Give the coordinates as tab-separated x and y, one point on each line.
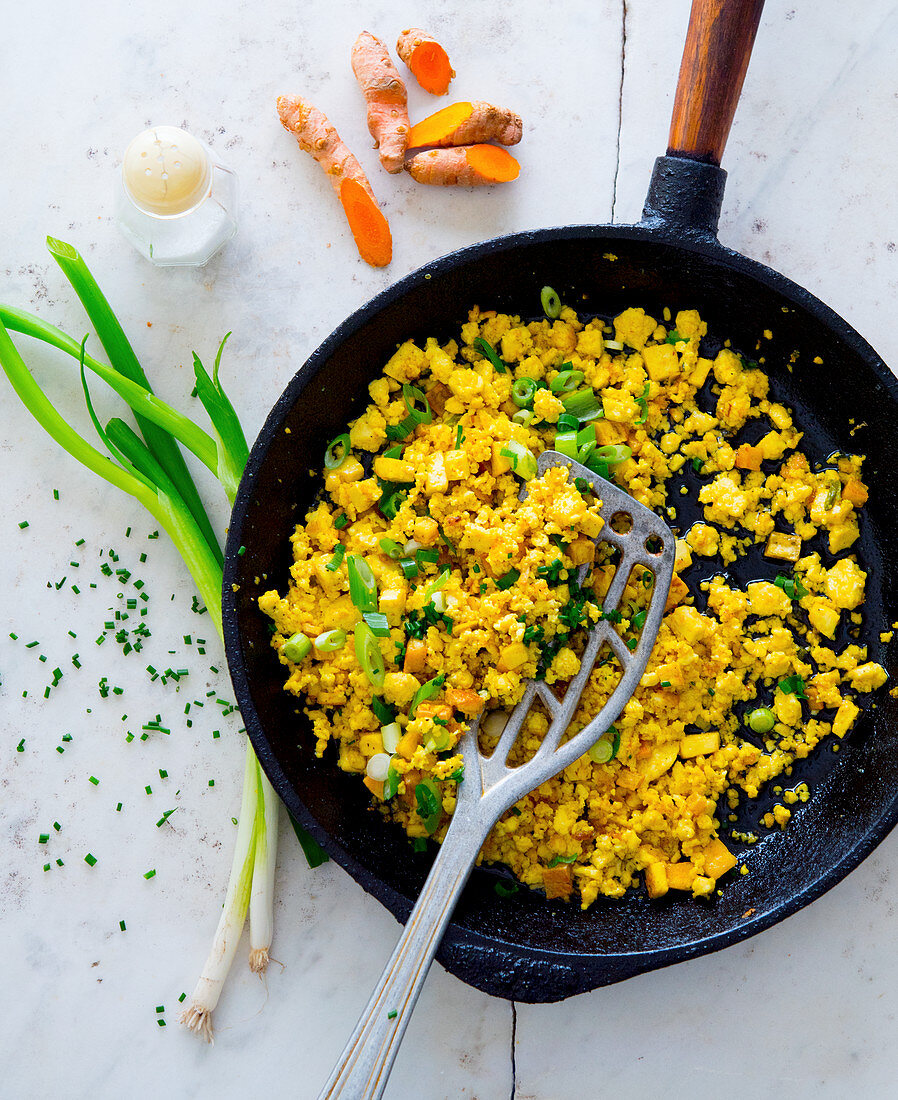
385	95
427	60
470	166
318	138
466	124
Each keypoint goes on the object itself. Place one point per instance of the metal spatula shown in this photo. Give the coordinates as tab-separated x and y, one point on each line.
490	786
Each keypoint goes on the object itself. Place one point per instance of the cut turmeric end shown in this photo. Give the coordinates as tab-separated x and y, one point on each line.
369	227
436	128
492	163
428	61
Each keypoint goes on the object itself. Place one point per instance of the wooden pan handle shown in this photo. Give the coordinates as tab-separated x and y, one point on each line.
715	58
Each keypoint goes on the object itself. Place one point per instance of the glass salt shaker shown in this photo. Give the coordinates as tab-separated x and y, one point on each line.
176	202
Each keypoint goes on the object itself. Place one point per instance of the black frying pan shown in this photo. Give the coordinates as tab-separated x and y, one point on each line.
523	946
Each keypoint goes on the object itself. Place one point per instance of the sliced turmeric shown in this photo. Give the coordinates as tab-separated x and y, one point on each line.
428	61
466	124
385	95
469	166
318	138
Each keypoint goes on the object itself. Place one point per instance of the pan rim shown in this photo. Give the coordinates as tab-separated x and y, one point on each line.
620	964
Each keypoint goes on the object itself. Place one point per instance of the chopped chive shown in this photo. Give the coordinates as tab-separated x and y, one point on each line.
90	860
505	582
43	838
149	874
182	998
163	774
392	1014
161	1022
118	808
21	746
46	866
241	551
56	494
57	826
122	925
93	779
59	863
23	524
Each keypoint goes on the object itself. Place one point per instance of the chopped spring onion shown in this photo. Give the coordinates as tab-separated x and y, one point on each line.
550	302
382	712
505	582
584	452
761	720
414	400
296	647
362	585
409	568
337	451
426	691
793	587
437	583
567	423
393	452
428	803
369	656
614	453
638	620
643	402
390	735
523	417
392	503
613	345
523	461
566	443
330	641
391	783
378	766
522	392
378	623
566	381
336	561
793	685
583	404
430	557
487	349
391	548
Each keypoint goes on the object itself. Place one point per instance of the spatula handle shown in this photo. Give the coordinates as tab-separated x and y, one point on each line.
363	1068
715	59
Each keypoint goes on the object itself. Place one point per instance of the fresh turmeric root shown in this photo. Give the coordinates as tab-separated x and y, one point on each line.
467	124
470	166
318	137
386	98
428	61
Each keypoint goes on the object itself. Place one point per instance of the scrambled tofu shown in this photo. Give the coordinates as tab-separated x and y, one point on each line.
467	593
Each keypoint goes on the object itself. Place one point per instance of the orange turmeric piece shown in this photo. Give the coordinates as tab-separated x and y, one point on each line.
427	60
318	138
385	95
467	123
469	166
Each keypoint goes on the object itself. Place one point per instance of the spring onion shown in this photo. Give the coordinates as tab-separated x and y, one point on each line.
523	391
566	381
550	302
600	752
378	766
566	443
793	685
296	647
391	783
428	804
584	452
390	735
487	349
337	560
437	583
362	585
330	641
369	656
426	691
337	451
416	404
761	720
583	404
409	568
426	557
643	402
505	582
567	423
391	548
792	586
523	461
392	502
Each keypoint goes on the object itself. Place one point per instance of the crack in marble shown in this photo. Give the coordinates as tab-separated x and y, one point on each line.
620	108
514	1031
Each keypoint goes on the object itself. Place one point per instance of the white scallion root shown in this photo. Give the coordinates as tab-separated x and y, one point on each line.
258	960
199	1021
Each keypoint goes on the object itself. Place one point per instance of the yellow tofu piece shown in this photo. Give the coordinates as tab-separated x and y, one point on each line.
867	677
845	717
500	463
680	876
512	656
393	469
843	536
718	859
426	530
699	744
772	445
688	624
661	362
437	481
765	598
783	547
457	465
371	743
844	584
787	707
656	880
824	617
392	604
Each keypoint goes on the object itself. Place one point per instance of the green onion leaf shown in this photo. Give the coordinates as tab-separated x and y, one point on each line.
382	712
430	557
426	691
523	391
567	423
369	656
337	451
416	403
362	585
409	568
378	623
391	783
523	461
566	381
391	548
566	443
334	564
505	582
584	405
296	647
487	349
428	803
614	453
330	641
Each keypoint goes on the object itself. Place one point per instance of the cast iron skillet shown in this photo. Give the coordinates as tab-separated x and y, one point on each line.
523	946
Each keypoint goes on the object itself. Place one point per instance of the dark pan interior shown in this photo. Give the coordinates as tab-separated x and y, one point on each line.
523	946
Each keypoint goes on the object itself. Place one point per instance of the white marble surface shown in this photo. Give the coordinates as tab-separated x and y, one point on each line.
808	1008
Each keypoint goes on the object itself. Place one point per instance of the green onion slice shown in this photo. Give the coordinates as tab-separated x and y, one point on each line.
362	585
390	735
334	564
336	452
550	302
523	461
761	720
393	452
426	691
429	557
584	453
296	647
487	349
614	453
393	502
568	423
382	712
391	548
523	391
567	381
416	403
409	568
505	582
330	641
428	803
584	405
391	784
437	583
369	656
566	443
378	623
600	752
